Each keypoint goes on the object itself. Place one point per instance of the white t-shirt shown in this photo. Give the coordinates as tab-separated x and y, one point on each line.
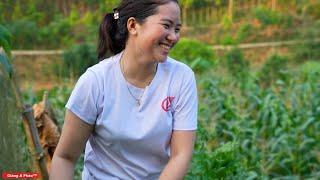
131	141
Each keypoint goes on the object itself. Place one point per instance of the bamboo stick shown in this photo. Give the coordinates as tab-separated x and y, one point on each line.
31	133
230	10
30	126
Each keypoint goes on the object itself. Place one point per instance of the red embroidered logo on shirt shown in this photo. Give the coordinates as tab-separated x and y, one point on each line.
166	103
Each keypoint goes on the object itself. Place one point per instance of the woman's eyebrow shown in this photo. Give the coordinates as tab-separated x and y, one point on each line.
170	21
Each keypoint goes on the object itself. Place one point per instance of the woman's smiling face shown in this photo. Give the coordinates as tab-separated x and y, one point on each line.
159	33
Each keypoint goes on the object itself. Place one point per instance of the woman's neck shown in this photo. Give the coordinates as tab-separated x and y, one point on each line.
137	71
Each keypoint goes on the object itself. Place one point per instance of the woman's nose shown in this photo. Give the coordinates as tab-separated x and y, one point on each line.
173	36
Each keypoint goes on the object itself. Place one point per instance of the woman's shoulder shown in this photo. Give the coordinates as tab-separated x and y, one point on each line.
104	66
177	66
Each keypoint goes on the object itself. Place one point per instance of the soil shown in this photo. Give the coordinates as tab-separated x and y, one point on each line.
40	72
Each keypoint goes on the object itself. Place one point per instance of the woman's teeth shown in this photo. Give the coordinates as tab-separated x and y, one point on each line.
165	46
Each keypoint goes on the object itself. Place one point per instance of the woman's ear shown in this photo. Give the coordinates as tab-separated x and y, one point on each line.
132	26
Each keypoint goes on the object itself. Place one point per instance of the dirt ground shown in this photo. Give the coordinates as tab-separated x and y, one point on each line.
37	72
40	72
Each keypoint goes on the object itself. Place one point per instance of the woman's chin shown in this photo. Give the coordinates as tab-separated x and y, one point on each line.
162	59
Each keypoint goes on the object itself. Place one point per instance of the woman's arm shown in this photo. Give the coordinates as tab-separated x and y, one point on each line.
74	135
182	143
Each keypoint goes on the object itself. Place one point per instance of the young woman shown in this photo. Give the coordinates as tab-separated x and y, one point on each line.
136	111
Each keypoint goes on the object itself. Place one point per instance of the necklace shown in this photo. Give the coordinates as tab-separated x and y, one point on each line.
137	99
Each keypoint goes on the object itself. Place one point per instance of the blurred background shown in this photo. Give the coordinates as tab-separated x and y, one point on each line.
257	64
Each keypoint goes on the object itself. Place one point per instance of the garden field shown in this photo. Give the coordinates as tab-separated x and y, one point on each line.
259	108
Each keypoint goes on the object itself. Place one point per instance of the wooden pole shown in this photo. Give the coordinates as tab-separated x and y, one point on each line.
31	133
34	141
230	10
185	17
274	5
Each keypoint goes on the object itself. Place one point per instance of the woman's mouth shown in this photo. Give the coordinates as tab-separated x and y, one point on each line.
166	47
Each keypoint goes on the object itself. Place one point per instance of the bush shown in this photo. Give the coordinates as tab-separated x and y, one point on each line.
77	59
308	50
198	55
272	127
226	22
222	163
275	68
14	149
228	40
5	40
266	16
310	67
236	64
244	31
313	9
57	34
25	33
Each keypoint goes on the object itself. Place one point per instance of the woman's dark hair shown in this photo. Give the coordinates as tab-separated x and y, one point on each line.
113	32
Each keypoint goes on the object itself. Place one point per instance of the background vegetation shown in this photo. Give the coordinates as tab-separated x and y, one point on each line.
14	149
259	113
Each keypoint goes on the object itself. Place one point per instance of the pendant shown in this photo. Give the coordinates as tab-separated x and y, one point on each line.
138	102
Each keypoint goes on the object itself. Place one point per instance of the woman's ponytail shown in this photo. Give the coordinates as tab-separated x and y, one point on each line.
107	36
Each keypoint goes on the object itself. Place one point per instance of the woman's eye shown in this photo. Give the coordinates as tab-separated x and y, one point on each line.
177	30
166	26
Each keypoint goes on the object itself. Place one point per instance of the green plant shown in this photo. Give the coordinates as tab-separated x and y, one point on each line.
198	55
236	64
77	59
25	33
308	49
228	39
14	155
5	40
313	9
244	31
57	33
267	16
226	22
222	163
275	68
275	128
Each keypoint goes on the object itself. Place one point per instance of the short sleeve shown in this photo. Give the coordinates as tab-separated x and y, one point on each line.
186	109
83	101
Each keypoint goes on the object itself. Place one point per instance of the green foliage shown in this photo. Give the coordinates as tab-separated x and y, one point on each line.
244	31
226	22
310	67
274	69
57	32
5	43
198	55
77	59
222	163
236	64
308	50
273	127
4	62
5	40
267	16
228	39
25	33
14	155
313	9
